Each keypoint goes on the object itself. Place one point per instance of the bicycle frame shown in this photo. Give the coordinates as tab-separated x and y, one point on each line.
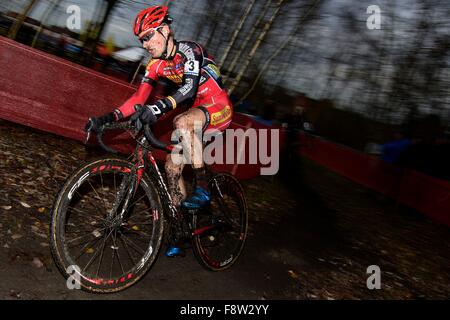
144	158
144	161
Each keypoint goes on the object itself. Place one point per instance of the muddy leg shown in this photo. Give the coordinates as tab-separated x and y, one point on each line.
175	179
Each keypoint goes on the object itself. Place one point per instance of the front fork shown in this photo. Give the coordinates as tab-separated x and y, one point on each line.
124	195
128	189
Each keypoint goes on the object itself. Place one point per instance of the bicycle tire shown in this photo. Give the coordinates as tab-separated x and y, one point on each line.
59	228
204	243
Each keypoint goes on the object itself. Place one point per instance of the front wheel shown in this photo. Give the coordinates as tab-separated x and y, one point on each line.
104	234
221	230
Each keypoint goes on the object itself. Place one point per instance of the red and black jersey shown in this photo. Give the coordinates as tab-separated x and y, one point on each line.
191	69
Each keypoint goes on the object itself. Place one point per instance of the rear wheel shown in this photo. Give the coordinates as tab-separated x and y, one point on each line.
91	242
221	230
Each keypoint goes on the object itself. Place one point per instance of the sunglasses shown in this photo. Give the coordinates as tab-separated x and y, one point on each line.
149	35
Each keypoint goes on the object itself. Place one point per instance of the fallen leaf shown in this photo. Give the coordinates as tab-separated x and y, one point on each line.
293	274
90	250
26	205
135	228
12	293
37	263
42	235
41	210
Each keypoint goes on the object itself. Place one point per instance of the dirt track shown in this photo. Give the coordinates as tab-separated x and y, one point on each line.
312	237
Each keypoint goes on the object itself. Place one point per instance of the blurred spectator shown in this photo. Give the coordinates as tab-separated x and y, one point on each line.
430	153
267	115
62	42
391	151
373	149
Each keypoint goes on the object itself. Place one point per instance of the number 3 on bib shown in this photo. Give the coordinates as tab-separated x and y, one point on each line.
191	67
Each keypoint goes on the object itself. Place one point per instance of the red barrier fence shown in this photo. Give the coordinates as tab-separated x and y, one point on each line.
52	94
426	194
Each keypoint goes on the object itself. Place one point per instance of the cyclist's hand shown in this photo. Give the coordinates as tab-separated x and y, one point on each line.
92	125
143	116
95	123
148	116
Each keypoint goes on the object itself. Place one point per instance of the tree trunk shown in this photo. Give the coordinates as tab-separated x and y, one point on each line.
20	19
50	9
236	32
250	56
294	33
240	51
93	45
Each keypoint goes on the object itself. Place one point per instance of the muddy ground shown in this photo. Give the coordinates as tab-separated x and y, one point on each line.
313	235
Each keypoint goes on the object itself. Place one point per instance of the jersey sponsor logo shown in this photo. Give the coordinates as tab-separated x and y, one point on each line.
203	91
221	116
187	51
154	109
178	68
203	79
187	87
213	70
174	72
177	79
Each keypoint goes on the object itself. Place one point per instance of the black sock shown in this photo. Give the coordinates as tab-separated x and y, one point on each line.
201	178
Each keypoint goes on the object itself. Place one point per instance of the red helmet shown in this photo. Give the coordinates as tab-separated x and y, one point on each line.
150	18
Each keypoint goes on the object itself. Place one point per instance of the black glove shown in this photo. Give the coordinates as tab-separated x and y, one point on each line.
95	123
143	115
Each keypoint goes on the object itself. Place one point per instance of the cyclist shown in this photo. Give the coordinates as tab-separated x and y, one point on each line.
187	64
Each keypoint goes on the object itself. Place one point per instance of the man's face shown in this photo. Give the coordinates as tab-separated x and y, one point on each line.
155	45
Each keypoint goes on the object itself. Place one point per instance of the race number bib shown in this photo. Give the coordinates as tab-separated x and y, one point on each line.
191	67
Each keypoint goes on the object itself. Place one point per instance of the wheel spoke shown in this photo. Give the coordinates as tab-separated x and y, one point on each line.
117	253
127	251
138	233
101	259
83	250
96	253
93	203
136	201
83	236
95	191
132	244
115	187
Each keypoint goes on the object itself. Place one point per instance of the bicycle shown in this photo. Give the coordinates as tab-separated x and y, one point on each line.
111	209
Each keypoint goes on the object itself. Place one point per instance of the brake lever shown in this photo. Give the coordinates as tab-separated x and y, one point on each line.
88	135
